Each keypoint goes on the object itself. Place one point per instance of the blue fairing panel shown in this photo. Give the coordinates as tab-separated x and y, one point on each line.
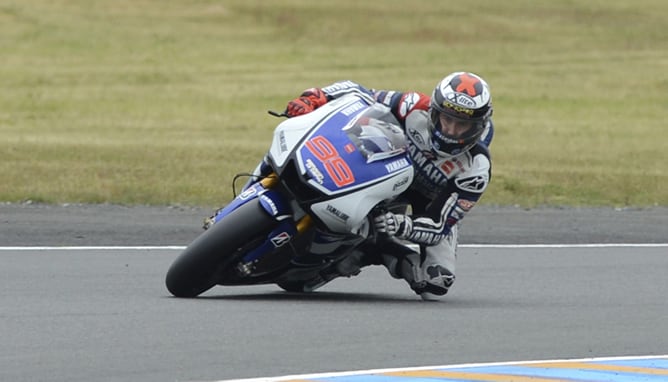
335	163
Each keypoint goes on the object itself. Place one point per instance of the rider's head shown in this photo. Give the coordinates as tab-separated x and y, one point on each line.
460	107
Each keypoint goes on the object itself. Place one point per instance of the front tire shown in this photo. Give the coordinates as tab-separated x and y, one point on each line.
197	268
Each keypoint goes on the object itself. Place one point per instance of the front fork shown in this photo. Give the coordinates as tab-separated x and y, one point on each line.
276	206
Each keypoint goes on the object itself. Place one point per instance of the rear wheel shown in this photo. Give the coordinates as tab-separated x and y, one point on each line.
197	269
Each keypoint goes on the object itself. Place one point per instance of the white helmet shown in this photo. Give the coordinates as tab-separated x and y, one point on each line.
465	97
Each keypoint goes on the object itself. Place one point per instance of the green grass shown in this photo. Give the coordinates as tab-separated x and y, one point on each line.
162	102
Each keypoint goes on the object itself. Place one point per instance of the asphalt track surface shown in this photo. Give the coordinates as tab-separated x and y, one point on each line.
99	313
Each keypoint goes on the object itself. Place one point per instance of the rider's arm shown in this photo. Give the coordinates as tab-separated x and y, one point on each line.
447	209
313	98
464	191
402	104
488	134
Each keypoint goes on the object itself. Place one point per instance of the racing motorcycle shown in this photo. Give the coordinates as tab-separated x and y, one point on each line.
329	172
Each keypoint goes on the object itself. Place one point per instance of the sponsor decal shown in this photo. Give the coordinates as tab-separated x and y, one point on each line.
397	165
282	143
457	108
350	148
428	238
400	183
447	167
248	193
465	204
313	170
408	102
343	85
416	136
357	106
339	214
462	100
473	183
388	98
280	239
426	168
272	205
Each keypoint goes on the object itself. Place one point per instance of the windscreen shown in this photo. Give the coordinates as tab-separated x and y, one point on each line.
377	134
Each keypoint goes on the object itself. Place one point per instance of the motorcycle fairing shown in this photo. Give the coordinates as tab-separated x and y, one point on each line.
277	238
276	206
271	201
329	151
346	213
337	161
348	145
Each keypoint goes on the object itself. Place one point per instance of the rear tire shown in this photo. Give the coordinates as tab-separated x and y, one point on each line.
198	267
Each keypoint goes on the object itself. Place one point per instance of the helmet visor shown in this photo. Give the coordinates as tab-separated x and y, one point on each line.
452	135
454	128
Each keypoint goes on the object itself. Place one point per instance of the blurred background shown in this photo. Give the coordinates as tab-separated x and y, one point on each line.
162	102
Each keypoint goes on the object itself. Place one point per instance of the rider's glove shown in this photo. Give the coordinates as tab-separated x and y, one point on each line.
298	106
396	225
310	100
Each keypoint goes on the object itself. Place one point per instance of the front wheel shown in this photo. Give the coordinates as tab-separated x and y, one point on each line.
197	269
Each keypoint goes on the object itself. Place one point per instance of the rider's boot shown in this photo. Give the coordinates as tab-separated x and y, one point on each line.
430	272
431	282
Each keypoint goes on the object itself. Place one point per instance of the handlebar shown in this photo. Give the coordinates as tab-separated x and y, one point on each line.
277	114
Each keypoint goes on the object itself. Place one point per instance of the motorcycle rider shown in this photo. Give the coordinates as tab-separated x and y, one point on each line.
448	134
